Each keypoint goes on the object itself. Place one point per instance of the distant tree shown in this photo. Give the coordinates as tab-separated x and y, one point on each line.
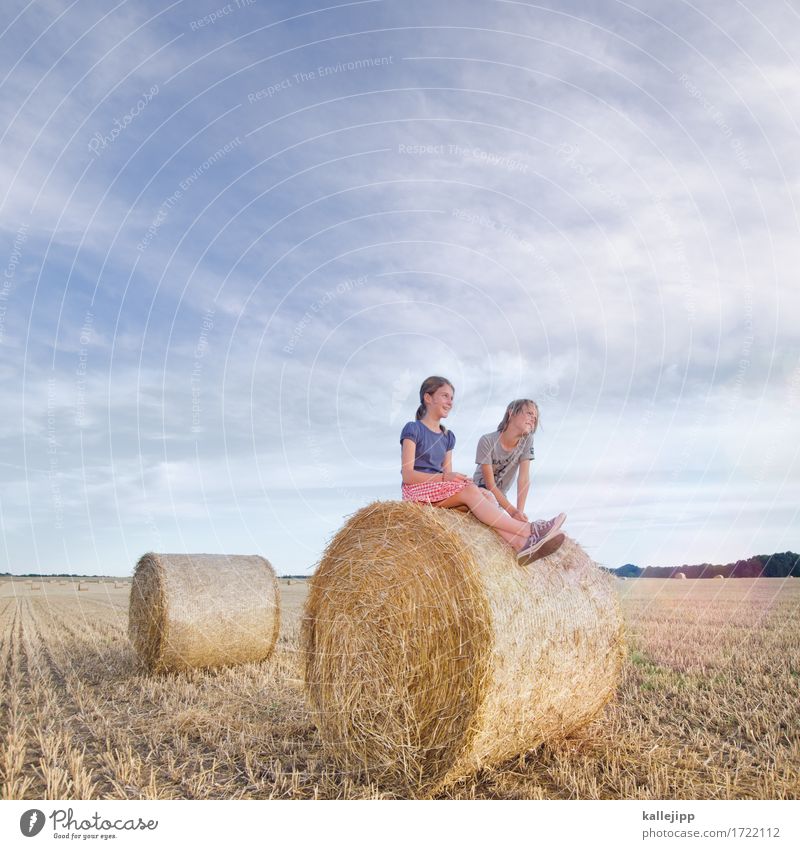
780	565
763	565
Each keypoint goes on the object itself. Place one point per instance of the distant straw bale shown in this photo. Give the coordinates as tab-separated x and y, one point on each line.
719	577
430	651
203	610
83	588
680	576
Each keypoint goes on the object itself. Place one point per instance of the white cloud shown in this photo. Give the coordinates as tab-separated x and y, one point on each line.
610	228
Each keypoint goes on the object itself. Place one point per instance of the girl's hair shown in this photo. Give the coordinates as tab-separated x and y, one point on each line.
429	386
517	407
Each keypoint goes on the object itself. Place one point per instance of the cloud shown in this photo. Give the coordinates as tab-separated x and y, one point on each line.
224	311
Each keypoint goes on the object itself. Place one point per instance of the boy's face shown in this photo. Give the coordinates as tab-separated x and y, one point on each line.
525	419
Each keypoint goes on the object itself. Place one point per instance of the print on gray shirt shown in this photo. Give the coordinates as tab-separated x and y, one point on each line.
504	463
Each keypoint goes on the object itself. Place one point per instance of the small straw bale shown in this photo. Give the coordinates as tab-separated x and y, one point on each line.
680	576
719	577
430	651
203	610
83	588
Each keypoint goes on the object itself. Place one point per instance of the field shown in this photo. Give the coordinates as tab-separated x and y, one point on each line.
708	708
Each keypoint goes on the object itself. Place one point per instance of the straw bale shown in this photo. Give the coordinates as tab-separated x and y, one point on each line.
680	576
719	577
203	610
83	588
429	651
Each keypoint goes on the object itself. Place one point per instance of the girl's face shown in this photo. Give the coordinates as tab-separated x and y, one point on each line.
524	420
440	402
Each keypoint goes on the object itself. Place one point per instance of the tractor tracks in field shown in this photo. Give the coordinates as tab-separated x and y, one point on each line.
16	747
80	666
130	721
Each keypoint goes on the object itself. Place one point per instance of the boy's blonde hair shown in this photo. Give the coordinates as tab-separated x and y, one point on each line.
517	407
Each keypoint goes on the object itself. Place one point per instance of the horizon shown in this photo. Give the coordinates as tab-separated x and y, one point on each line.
301	576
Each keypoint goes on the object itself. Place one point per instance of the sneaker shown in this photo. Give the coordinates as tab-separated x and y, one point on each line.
541	532
551	546
544	526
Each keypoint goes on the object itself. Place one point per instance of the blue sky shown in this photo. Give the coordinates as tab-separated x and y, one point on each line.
236	238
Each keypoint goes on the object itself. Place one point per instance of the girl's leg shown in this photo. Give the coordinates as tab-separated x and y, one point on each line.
490	514
516	540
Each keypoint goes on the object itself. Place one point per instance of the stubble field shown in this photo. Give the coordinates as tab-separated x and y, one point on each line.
708	707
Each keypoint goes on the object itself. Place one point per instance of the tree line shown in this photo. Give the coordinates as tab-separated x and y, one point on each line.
780	565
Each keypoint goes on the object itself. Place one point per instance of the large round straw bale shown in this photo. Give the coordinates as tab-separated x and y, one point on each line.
203	610
679	576
719	577
430	651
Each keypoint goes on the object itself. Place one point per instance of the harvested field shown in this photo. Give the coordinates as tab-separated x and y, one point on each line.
707	709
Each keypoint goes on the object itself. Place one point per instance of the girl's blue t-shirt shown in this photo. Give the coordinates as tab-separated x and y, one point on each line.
431	447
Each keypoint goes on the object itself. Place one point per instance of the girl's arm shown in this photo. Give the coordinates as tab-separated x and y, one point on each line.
447	465
410	474
523	484
488	476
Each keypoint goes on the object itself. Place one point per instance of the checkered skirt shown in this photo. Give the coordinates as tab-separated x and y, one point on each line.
430	493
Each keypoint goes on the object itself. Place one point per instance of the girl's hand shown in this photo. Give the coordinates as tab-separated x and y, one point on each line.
518	514
454	476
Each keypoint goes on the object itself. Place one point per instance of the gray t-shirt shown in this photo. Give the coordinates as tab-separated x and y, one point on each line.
504	463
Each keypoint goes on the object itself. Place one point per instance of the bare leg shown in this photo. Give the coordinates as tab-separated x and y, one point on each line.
512	530
516	540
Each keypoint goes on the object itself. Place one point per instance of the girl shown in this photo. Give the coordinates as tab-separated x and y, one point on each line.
428	477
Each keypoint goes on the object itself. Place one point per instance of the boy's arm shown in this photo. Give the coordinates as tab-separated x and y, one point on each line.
488	477
523	484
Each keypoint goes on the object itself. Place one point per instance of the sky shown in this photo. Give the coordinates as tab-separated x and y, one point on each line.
236	238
